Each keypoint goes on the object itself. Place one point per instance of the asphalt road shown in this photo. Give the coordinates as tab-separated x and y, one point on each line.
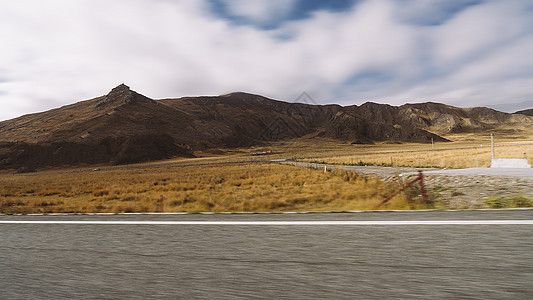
200	261
386	172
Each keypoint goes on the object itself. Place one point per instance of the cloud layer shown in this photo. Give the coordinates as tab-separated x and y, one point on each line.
469	53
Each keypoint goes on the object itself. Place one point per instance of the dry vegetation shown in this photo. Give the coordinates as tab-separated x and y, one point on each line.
257	187
463	153
454	158
205	185
466	151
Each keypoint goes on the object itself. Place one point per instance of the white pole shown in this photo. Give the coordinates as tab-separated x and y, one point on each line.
492	145
432	144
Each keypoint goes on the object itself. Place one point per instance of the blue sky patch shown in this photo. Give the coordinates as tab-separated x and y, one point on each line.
302	9
433	13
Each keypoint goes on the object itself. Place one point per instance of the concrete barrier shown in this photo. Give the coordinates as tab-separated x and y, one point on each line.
509	163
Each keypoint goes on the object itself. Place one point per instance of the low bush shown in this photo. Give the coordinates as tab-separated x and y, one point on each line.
508	202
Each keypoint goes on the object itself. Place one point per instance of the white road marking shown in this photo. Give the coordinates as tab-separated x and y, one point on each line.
279	223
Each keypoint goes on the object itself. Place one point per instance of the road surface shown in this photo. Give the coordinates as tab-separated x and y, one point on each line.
387	172
358	257
509	172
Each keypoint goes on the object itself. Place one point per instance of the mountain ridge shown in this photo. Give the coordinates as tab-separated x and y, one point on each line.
527	112
125	126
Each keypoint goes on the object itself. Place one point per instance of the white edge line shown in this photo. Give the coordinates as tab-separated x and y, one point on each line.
281	223
275	213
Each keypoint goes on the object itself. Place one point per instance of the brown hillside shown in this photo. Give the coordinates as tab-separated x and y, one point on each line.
443	119
241	119
121	127
125	127
527	112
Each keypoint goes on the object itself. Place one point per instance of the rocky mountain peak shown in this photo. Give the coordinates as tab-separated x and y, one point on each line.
120	88
120	95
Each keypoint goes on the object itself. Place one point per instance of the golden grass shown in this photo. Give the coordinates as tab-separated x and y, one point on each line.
257	187
464	153
188	185
467	150
456	158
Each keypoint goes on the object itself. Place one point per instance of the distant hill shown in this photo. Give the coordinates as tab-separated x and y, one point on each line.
125	127
511	107
527	112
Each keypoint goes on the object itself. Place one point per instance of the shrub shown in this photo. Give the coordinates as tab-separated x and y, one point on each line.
511	201
100	193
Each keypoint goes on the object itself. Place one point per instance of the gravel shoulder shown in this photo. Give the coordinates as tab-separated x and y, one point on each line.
456	189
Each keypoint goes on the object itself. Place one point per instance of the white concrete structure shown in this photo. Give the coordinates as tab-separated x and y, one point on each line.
509	163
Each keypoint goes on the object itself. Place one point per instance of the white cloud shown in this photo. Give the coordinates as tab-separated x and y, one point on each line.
478	31
59	52
477	55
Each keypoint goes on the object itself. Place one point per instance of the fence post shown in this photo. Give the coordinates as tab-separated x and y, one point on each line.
423	187
420	178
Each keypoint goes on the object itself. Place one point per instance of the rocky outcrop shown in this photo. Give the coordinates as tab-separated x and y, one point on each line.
121	95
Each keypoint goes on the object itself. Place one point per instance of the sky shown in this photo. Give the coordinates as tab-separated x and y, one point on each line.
463	52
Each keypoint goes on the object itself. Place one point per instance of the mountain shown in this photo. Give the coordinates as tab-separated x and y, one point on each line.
443	119
121	127
125	126
510	107
527	112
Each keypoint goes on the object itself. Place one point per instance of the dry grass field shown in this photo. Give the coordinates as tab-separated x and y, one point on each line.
254	187
440	158
466	151
216	182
